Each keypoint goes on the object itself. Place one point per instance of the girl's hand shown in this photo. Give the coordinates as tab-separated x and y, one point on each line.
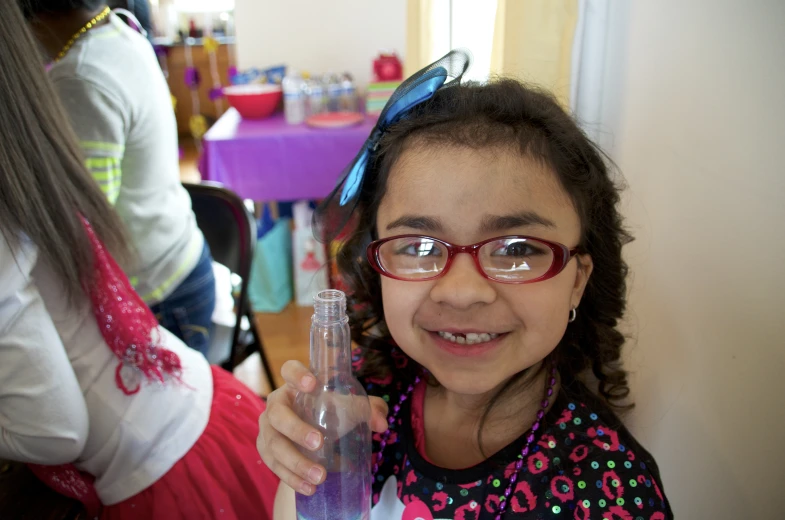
280	429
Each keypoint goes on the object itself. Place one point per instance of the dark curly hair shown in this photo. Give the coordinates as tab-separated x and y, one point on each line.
505	113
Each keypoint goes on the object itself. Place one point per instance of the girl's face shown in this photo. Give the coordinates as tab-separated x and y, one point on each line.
464	196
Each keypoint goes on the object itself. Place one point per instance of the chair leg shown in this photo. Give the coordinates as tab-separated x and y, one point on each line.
234	349
260	348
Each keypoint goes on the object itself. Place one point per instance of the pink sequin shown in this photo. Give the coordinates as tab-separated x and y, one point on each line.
126	323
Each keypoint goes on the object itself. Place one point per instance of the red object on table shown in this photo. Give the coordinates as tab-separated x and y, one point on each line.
335	119
254	101
387	67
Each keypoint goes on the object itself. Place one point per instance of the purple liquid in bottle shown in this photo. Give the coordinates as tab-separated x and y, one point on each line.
340	497
340	409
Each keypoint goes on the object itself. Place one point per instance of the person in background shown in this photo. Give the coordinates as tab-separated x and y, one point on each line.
118	102
104	404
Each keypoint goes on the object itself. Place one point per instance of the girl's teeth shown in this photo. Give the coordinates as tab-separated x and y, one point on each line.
471	338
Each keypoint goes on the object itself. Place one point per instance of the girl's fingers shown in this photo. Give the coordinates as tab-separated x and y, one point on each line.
282	419
298	376
285	460
293	481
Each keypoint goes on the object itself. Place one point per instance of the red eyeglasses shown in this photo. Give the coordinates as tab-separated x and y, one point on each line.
508	259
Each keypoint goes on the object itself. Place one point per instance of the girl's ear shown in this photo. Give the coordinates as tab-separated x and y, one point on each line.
585	268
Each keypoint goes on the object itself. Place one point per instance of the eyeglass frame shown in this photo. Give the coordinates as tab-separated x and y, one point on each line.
561	257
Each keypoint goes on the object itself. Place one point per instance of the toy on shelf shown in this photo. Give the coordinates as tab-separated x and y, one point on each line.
387	76
378	95
387	67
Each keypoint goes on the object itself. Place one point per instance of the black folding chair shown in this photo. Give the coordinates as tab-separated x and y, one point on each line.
230	232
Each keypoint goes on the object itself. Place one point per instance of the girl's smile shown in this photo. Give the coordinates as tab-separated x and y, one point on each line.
469	344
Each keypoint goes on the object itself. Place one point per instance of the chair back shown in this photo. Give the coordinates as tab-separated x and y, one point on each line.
230	231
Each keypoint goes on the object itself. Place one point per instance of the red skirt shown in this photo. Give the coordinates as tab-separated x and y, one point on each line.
222	477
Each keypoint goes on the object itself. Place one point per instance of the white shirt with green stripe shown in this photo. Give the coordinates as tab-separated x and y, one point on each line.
119	104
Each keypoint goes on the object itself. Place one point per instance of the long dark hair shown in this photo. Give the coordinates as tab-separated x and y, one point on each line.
506	113
45	185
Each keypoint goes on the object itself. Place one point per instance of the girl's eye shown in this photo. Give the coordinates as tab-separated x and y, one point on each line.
518	249
419	248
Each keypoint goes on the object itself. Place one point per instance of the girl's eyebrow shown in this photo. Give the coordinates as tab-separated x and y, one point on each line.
494	223
419	222
490	223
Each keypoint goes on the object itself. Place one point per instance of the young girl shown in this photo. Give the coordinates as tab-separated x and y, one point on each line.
486	277
105	405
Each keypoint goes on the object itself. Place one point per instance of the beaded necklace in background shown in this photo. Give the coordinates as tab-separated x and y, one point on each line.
78	34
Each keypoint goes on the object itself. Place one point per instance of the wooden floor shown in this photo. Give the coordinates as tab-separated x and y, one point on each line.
189	159
286	335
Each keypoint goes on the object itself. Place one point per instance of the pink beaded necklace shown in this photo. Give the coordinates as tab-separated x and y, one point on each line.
518	464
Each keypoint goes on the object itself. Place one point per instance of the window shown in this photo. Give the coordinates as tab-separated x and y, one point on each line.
468	24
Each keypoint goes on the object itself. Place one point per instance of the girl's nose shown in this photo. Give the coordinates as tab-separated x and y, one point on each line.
463	285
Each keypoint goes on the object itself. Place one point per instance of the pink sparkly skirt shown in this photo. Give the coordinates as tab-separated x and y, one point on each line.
222	477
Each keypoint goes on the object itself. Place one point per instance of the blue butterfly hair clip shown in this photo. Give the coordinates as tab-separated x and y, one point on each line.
334	212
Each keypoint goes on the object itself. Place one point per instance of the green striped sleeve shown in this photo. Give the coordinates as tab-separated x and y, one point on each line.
107	173
97	146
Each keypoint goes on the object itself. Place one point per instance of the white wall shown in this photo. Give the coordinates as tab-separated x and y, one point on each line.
319	36
695	115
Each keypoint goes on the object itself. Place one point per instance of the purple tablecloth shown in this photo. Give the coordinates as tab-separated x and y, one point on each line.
271	160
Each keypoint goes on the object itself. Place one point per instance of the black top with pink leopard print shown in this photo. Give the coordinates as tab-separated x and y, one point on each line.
584	465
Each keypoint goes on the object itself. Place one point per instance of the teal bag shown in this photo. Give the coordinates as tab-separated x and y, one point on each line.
270	285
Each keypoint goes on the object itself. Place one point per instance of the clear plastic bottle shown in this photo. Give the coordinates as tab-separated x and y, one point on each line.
333	88
293	86
340	410
316	98
348	94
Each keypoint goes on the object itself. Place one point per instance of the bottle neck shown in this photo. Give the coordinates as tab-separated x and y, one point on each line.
331	354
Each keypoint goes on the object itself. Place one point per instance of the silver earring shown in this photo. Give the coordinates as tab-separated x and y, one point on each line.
573	314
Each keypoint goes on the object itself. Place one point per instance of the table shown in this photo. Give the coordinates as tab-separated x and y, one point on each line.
267	159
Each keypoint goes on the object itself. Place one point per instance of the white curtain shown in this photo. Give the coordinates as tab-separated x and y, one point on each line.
564	45
591	85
